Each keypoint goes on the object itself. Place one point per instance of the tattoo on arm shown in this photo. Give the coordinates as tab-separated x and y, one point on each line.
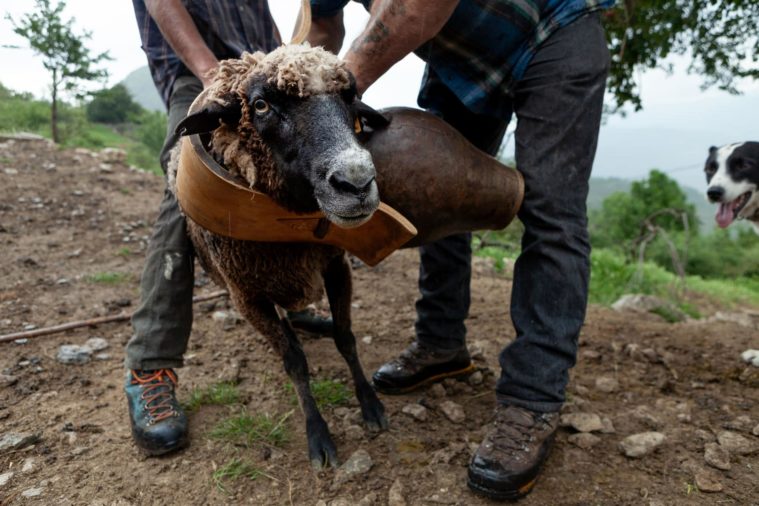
378	33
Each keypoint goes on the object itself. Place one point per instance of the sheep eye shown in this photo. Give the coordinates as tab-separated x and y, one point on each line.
357	126
261	106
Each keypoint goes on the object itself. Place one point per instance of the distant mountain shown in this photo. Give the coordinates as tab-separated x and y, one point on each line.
140	85
602	187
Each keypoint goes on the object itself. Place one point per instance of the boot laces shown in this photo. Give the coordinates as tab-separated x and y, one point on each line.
157	392
515	432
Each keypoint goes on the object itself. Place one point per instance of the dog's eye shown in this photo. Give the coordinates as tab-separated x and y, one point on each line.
711	168
261	106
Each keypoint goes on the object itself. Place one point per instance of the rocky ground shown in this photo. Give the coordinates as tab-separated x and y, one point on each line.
658	413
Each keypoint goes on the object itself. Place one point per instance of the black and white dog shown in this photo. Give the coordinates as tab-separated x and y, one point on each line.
732	173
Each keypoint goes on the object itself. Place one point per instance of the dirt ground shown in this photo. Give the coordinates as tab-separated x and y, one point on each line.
72	237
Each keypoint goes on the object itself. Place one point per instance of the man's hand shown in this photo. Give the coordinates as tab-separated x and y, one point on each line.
180	32
396	28
327	32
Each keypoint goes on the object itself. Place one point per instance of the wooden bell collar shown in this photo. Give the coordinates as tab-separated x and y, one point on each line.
218	202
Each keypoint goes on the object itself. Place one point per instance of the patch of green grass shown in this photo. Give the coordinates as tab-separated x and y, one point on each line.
219	394
233	470
327	393
248	430
690	310
690	488
109	278
124	252
612	276
669	315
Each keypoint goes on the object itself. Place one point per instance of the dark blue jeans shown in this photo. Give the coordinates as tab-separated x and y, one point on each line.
558	105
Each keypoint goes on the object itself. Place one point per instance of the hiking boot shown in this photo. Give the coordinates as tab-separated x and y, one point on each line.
507	463
419	365
158	423
309	321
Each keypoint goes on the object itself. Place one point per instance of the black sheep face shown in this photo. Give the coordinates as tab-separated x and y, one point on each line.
316	151
313	142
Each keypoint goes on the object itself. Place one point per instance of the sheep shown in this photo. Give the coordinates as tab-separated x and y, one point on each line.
285	123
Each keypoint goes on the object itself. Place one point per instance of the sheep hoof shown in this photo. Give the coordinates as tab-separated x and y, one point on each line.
374	417
322	451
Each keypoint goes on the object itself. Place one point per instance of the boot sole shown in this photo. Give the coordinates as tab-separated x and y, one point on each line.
432	379
501	495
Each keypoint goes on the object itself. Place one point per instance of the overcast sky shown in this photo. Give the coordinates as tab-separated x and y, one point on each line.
677	126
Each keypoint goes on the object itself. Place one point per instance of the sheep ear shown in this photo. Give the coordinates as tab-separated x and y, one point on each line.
372	117
210	118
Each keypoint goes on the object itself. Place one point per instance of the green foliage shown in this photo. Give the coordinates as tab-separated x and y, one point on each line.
327	393
719	37
112	106
142	137
109	278
151	130
249	430
63	52
721	254
618	223
220	394
612	275
233	470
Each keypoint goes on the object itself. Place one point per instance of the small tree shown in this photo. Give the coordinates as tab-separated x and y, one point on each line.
63	52
622	214
112	105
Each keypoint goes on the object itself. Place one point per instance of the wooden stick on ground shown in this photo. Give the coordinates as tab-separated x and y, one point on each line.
28	334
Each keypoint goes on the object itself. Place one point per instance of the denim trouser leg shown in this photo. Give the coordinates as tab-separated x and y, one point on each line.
163	321
558	104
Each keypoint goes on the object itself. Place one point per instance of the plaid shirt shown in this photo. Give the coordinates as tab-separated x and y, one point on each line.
486	46
227	27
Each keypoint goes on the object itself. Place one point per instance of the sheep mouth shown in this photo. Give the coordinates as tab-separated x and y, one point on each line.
348	221
730	211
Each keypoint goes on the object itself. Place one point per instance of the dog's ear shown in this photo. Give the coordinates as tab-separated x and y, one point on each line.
210	118
373	118
712	150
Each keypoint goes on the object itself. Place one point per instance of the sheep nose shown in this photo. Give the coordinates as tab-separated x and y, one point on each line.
715	193
359	185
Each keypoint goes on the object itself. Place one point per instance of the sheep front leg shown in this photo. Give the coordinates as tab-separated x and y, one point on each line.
337	282
263	315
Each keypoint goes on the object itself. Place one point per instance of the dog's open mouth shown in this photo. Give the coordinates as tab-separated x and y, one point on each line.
728	211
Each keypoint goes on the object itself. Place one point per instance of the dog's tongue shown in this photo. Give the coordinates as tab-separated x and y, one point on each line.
725	214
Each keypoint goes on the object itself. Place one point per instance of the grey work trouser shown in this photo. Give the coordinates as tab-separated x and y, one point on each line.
558	104
163	321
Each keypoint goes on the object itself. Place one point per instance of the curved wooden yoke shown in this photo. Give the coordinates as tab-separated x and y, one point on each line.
213	199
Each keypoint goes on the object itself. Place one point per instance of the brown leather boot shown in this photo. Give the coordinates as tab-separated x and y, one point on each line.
419	365
507	463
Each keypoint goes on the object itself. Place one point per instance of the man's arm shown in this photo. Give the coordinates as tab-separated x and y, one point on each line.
396	28
180	32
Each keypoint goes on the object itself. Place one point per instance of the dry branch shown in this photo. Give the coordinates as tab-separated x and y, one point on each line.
28	334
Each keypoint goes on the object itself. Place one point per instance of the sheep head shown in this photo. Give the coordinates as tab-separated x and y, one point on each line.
287	122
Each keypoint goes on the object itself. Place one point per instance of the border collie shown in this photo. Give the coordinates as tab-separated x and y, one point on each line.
732	173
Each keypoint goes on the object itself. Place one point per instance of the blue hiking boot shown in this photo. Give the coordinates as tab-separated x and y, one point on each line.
159	425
